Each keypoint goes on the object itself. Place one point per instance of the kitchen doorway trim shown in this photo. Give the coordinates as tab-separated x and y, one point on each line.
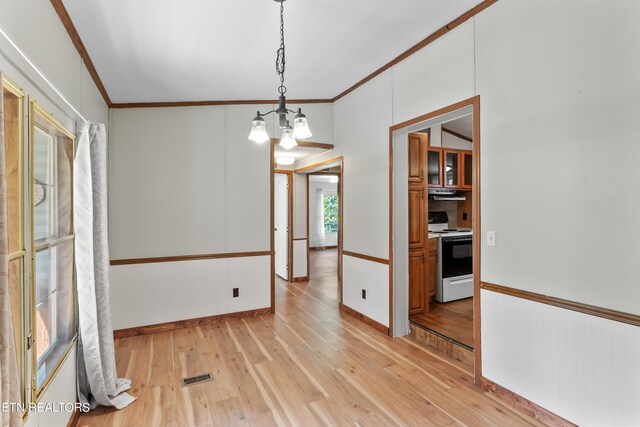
398	245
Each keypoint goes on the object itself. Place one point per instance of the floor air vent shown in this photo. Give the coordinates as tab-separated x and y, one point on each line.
196	380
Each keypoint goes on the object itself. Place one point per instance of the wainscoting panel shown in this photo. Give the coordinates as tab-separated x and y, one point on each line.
252	278
583	368
300	258
359	274
147	294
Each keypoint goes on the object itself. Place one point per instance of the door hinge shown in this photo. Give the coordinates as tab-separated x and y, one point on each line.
29	341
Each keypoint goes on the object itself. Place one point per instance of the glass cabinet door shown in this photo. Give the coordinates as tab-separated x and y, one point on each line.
434	167
452	169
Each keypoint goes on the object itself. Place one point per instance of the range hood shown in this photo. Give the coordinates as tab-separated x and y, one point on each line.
445	194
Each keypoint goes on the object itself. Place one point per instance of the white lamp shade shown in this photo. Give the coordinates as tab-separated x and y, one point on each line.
258	131
285	160
287	140
301	127
334	180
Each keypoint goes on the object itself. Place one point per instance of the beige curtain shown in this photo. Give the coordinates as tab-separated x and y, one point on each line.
9	377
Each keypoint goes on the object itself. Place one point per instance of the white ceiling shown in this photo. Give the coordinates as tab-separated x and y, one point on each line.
463	125
171	50
297	152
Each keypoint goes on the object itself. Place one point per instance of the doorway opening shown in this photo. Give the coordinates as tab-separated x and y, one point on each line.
283	217
435	230
324	225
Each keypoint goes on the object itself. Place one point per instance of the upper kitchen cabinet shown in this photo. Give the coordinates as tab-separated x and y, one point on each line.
466	180
434	167
418	143
451	168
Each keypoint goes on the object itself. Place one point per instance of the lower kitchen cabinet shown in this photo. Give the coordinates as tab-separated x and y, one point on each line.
431	273
417	297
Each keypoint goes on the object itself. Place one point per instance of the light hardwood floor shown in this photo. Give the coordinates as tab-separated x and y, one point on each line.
453	320
307	365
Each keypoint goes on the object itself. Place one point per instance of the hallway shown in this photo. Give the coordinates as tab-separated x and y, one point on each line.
308	364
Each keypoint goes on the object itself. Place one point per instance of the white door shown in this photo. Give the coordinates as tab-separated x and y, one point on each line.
281	224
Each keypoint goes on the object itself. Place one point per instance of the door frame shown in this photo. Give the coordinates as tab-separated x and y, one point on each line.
473	102
317	167
289	174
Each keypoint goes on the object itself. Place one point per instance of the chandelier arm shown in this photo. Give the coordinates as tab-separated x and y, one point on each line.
267	113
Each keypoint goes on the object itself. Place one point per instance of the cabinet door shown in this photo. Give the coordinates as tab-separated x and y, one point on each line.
434	167
417	145
417	300
431	267
416	217
451	168
467	169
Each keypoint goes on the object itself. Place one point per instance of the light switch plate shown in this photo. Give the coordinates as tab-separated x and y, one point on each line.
491	238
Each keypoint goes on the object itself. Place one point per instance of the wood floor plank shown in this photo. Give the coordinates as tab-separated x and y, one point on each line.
308	364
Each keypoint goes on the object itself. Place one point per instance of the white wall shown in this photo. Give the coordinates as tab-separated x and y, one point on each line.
582	367
299	206
549	176
300	225
187	181
331	239
36	29
372	277
452	141
188	289
542	92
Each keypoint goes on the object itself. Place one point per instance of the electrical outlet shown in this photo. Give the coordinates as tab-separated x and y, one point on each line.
364	294
236	292
491	238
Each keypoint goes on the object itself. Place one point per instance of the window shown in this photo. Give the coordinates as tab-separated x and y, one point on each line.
13	99
53	292
330	213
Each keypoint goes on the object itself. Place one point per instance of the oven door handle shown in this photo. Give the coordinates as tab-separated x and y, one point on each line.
461	281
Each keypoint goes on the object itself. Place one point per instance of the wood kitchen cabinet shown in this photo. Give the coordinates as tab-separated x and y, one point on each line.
451	168
434	167
457	169
466	170
431	268
418	143
418	232
416	216
417	299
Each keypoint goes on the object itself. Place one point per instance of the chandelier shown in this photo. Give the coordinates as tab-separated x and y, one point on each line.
300	129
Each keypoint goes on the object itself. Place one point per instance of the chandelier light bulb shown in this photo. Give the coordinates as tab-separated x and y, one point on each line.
300	126
287	141
258	130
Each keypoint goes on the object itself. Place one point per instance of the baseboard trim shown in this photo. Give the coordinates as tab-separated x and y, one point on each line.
369	321
524	405
73	421
301	279
181	324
